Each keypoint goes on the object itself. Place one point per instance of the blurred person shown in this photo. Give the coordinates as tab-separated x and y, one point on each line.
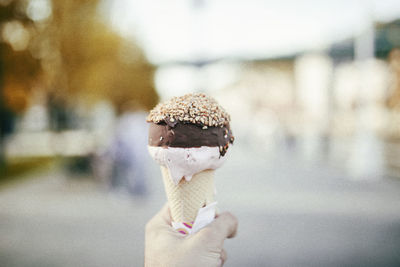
164	246
58	113
7	121
129	151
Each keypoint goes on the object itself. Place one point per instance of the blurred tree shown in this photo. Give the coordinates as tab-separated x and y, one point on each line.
81	57
18	69
86	61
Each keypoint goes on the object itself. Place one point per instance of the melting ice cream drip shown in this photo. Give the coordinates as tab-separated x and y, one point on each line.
185	162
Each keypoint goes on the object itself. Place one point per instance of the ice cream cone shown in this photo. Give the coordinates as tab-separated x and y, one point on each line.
189	137
186	198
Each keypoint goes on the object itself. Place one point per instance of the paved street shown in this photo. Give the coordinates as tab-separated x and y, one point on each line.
291	213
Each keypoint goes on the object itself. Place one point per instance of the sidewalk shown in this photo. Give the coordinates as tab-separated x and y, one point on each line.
55	221
290	213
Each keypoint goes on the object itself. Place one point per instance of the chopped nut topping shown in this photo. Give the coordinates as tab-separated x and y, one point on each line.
194	108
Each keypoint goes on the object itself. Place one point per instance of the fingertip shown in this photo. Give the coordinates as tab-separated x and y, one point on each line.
232	223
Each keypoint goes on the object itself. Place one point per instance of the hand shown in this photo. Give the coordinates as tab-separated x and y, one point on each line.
164	246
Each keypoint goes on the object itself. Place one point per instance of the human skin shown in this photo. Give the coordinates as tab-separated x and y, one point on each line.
164	246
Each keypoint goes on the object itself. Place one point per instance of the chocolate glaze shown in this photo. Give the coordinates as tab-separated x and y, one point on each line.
180	134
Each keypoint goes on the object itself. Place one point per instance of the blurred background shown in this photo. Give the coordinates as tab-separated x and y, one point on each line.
313	88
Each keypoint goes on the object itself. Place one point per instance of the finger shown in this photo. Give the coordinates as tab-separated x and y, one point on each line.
224	257
225	225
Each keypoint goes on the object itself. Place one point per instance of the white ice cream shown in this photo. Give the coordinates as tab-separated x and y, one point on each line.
185	162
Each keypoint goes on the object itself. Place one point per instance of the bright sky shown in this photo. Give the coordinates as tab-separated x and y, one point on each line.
177	30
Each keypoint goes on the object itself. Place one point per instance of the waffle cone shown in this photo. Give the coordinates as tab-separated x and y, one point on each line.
186	198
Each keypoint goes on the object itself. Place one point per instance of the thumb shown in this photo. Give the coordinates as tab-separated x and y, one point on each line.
224	226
